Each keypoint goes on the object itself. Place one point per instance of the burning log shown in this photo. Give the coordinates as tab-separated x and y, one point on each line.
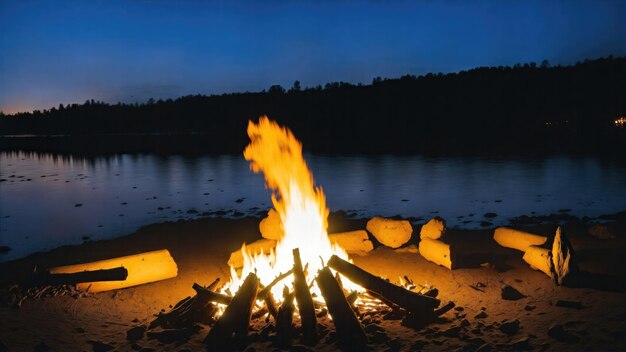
257	247
392	233
142	268
284	320
232	326
212	296
350	333
354	242
304	301
45	279
520	240
411	301
438	252
539	259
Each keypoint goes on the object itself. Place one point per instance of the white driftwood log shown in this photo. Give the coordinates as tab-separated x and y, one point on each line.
520	240
271	226
353	242
254	248
392	233
539	259
142	268
438	252
434	228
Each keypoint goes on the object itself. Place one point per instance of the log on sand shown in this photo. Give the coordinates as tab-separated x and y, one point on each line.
353	242
539	259
232	327
350	334
438	252
520	240
411	301
142	268
304	301
390	232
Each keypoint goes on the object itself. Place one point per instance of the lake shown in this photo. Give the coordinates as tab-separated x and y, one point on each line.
51	200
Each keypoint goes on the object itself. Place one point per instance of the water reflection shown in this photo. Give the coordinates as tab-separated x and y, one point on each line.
47	200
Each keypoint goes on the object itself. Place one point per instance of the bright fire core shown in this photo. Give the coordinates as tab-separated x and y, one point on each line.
301	206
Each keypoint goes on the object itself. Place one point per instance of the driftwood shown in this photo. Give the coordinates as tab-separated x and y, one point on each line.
232	327
438	252
350	334
142	268
189	310
411	301
520	240
304	301
284	320
49	279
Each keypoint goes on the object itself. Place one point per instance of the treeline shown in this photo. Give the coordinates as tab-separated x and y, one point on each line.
524	108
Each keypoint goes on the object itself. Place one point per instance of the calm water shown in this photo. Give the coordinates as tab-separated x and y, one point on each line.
48	201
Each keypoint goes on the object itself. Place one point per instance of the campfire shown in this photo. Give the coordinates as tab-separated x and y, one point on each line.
302	276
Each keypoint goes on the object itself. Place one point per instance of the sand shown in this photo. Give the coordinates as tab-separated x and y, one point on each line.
201	248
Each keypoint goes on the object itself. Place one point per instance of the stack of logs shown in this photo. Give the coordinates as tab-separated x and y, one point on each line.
230	330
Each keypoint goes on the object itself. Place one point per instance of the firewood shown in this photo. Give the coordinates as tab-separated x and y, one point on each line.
304	301
264	246
350	334
189	310
47	278
520	240
212	296
438	252
390	232
270	302
353	242
445	308
142	268
433	229
278	279
232	327
539	259
409	300
284	319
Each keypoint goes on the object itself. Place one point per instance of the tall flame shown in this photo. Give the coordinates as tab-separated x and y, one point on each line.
301	206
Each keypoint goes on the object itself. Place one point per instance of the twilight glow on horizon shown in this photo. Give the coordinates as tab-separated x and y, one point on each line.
55	52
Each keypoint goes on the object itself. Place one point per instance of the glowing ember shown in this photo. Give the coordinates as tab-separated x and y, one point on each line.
275	151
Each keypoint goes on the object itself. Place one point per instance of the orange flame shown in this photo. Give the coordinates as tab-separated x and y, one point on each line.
301	206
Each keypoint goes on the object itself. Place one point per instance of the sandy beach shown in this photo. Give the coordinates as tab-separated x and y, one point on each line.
482	319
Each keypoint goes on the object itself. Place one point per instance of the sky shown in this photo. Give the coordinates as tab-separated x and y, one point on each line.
54	52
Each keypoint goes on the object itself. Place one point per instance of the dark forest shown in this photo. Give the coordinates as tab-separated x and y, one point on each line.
527	108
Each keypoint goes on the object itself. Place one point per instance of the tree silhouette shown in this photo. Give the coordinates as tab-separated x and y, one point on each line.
524	108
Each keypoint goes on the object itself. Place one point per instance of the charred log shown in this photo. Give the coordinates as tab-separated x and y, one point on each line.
304	301
231	328
411	301
350	334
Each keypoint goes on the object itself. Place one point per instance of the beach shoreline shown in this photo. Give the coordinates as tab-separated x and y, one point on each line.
201	248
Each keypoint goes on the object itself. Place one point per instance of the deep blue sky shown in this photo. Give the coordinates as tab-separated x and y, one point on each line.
55	52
